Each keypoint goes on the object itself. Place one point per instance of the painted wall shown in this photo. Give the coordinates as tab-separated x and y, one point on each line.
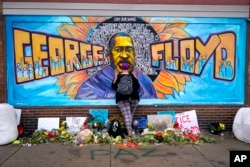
61	60
188	2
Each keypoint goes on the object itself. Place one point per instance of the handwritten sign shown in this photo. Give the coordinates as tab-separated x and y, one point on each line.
188	121
48	123
74	124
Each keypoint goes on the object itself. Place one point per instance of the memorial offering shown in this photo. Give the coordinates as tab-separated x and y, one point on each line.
88	133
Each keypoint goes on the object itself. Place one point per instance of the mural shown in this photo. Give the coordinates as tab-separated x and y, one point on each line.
64	60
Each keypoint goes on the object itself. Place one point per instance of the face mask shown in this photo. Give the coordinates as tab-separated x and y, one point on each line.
125	66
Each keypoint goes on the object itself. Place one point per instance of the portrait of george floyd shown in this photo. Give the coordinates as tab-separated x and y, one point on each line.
105	75
157	79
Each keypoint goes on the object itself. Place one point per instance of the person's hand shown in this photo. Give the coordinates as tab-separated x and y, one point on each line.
115	76
134	72
116	72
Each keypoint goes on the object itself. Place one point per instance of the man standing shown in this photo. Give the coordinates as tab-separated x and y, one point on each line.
122	57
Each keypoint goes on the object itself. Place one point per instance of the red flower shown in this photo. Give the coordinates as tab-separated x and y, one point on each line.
191	136
176	125
52	135
86	124
158	134
20	129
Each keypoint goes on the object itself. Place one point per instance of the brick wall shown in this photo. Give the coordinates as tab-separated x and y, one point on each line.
2	60
206	114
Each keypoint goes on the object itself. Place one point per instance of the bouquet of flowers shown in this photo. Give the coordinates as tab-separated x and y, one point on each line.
217	128
159	136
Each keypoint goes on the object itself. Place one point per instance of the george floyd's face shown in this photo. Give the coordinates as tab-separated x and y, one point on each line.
123	53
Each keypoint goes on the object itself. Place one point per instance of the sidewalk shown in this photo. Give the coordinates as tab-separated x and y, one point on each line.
186	155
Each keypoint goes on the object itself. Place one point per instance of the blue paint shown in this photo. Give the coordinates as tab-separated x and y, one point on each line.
202	89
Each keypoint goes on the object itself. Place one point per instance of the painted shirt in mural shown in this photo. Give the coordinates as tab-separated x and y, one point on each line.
98	86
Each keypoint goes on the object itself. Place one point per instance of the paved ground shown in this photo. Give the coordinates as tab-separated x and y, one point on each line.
188	155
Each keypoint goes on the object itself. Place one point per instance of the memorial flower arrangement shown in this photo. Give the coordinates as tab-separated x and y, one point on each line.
172	136
217	128
54	136
92	133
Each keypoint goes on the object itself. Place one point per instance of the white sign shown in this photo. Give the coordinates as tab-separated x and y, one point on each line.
18	115
188	121
74	124
48	123
160	122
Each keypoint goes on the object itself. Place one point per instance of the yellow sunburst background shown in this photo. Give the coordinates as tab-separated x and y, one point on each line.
166	83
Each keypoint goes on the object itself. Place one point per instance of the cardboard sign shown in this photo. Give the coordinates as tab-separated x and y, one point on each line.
160	122
48	123
18	115
74	124
171	112
188	121
99	115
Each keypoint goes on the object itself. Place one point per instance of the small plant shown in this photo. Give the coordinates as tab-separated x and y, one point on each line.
217	128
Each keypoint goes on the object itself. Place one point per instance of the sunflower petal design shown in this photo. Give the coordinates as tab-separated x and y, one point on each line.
71	31
79	30
80	23
162	89
168	83
70	83
182	80
63	31
147	19
165	36
92	21
167	79
159	25
177	24
176	32
102	19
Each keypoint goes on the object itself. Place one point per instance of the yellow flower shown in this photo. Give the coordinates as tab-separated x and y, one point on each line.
150	126
118	139
63	132
165	134
63	123
222	126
